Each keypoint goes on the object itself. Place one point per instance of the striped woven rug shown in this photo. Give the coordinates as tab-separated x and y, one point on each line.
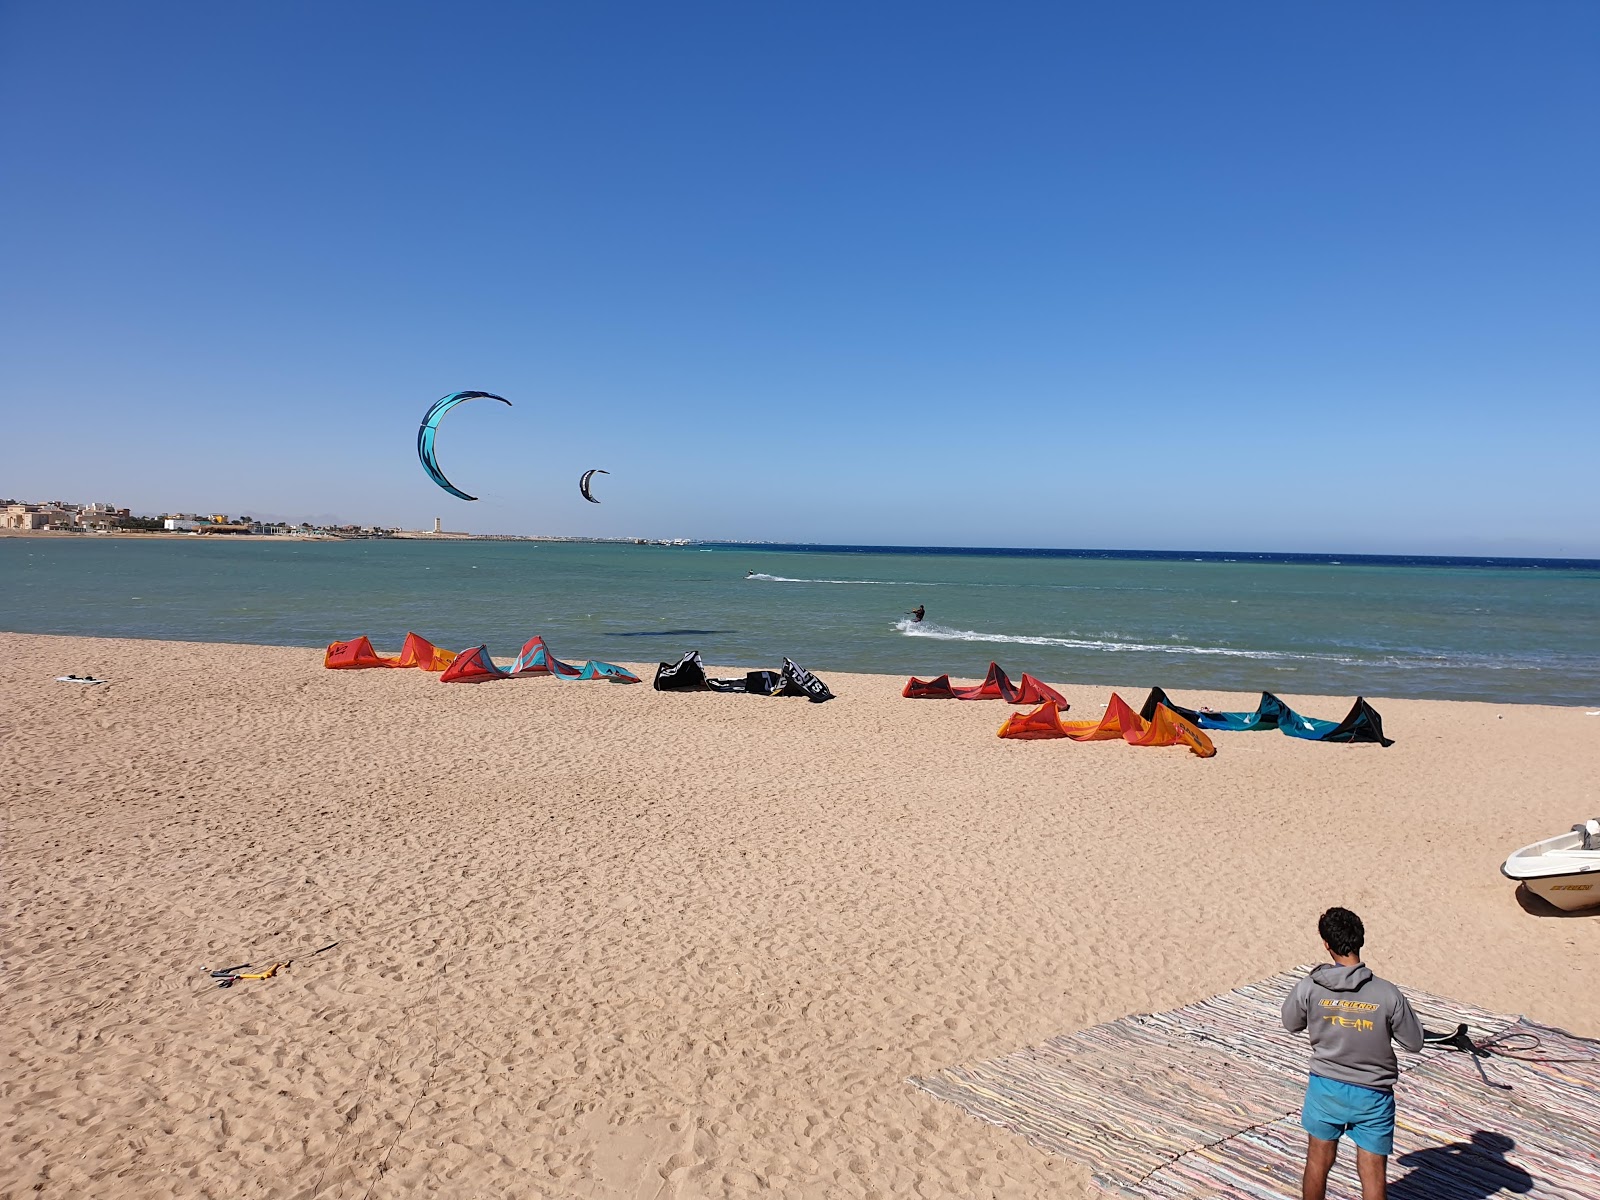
1204	1100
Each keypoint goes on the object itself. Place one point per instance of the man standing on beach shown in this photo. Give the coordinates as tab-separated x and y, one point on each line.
1352	1017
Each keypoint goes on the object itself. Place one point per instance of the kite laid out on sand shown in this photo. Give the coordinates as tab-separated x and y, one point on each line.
429	428
469	666
1361	724
688	674
1164	728
475	666
584	485
358	654
996	685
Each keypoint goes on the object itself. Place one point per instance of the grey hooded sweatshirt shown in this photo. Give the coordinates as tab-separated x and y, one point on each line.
1352	1015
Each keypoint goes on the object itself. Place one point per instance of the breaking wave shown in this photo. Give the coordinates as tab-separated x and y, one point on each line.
923	629
1379	658
758	577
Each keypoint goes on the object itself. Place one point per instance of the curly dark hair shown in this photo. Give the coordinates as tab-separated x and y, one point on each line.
1342	930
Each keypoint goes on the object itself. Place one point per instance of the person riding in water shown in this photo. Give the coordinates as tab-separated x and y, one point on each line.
1351	1017
917	613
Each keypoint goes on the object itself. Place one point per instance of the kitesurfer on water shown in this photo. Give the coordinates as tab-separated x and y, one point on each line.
917	613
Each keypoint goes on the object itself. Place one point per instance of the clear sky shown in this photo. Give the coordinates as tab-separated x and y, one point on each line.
1160	275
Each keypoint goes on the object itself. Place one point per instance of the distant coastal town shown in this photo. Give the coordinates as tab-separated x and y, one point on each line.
62	517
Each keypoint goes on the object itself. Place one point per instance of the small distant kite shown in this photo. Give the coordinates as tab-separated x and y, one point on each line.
430	426
583	484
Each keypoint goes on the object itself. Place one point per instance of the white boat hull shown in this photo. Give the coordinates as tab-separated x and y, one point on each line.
1569	893
1563	870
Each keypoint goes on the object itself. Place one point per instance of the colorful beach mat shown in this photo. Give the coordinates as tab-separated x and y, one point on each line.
1204	1100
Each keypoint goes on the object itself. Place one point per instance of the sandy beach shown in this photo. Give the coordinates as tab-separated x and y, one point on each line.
597	941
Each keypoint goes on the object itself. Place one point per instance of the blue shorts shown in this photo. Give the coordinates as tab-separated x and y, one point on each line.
1333	1108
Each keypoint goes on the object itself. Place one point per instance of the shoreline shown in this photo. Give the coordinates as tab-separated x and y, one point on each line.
1220	698
604	941
85	535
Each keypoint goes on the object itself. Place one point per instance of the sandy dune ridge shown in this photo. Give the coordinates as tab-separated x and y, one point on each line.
598	941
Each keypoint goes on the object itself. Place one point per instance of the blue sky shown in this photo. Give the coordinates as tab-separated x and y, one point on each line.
1232	275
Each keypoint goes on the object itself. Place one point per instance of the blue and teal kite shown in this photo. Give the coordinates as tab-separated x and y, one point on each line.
1361	724
429	428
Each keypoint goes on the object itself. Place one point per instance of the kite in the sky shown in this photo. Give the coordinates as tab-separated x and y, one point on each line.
430	426
583	484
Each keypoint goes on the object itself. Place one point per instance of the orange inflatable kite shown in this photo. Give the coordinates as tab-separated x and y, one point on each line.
357	654
1165	727
420	652
353	655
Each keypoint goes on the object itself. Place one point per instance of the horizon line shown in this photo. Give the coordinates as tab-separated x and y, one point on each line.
1340	555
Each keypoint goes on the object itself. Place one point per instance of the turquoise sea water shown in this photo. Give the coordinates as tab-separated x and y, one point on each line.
1469	632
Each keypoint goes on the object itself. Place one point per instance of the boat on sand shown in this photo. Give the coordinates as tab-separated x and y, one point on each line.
1563	870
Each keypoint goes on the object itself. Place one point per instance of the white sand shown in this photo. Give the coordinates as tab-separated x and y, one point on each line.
599	941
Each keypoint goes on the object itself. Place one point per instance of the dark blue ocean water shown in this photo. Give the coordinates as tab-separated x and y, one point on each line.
1231	556
1459	628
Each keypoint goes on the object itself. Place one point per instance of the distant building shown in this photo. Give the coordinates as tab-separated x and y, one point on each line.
35	516
23	516
180	525
101	516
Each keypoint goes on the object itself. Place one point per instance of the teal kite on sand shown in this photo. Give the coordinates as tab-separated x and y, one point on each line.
536	659
1361	724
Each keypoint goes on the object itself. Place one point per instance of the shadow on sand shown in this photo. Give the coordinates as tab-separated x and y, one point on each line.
1536	907
1475	1170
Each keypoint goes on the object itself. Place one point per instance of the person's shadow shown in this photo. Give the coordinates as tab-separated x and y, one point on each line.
1474	1170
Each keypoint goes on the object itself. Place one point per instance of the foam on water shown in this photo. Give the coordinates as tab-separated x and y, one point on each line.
1112	645
923	629
758	577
